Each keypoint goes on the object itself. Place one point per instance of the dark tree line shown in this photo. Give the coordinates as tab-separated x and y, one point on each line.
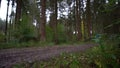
68	19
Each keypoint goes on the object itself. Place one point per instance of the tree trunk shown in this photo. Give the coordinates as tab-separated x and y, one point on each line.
55	22
78	19
43	21
53	19
88	14
18	12
6	24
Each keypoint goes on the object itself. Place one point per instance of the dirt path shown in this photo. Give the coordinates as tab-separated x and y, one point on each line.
10	57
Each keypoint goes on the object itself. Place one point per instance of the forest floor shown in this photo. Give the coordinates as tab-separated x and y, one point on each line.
9	57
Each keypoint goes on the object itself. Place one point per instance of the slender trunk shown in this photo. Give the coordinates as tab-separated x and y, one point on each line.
18	12
88	14
55	22
51	15
78	20
85	26
6	27
36	15
43	21
74	16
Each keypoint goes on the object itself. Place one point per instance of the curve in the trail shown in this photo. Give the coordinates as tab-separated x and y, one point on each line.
9	57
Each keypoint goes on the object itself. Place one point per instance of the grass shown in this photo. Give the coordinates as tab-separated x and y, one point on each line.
23	44
35	44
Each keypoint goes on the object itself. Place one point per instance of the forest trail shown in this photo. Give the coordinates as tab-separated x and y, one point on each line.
9	57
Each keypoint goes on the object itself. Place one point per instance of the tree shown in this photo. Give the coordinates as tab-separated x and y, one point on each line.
88	18
18	12
43	21
6	27
78	19
53	19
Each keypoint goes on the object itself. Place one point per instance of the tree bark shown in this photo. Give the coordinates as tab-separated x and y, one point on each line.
43	21
78	20
6	24
88	14
55	22
18	12
53	19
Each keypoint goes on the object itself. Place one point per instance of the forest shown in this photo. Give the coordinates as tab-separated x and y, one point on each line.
93	25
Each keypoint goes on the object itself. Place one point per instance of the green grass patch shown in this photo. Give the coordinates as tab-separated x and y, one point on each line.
36	44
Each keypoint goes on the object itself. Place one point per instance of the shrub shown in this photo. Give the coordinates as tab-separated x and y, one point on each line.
2	37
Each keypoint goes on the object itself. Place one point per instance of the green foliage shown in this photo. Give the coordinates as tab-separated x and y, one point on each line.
61	33
26	30
2	26
15	45
2	37
2	23
65	61
49	33
106	54
19	66
117	22
103	59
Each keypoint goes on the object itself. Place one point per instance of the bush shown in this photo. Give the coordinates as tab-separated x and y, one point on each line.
62	37
26	31
49	33
2	37
107	53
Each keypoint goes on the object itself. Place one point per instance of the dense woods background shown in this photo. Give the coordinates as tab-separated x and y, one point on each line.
50	22
59	21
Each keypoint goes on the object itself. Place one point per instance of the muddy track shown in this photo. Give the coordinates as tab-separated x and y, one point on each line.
9	57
